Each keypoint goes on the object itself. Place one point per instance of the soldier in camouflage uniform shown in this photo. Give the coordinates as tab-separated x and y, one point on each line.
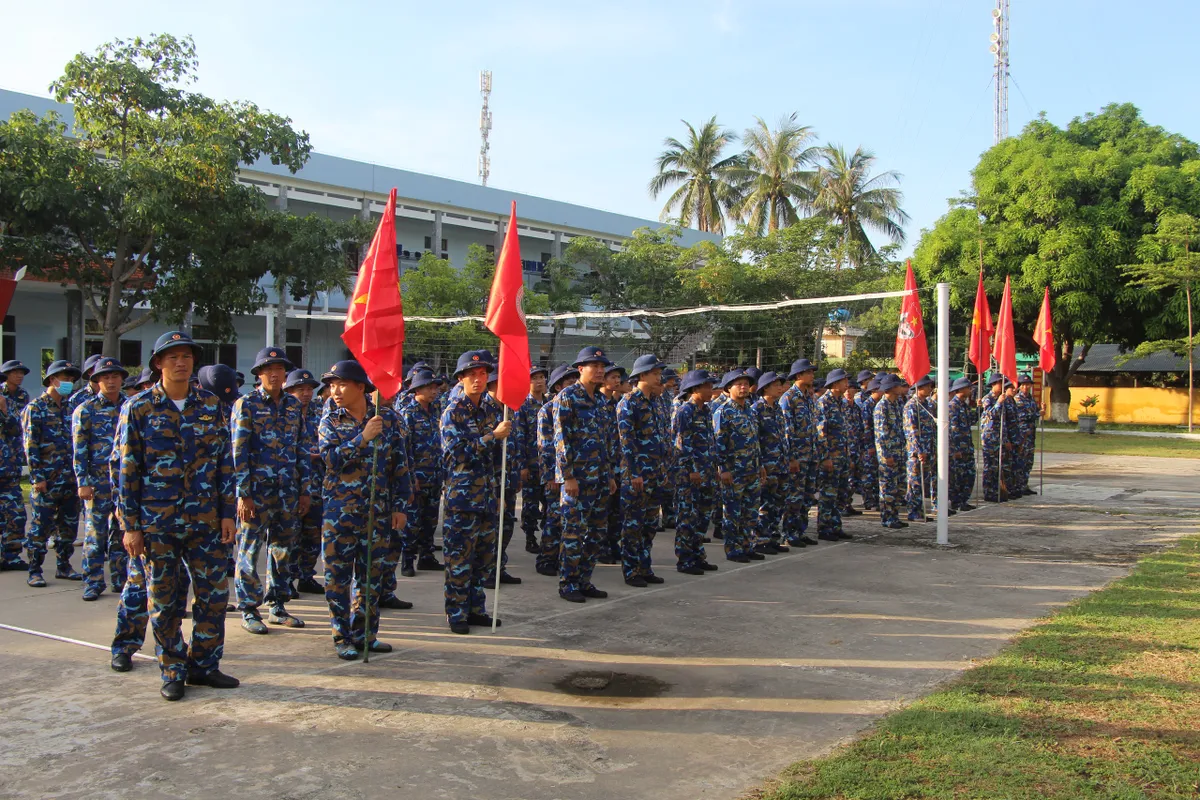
583	467
920	434
868	460
421	419
551	542
799	432
1029	413
735	432
693	462
93	431
272	472
612	390
85	390
998	430
853	416
513	456
176	504
832	452
890	449
773	456
643	469
364	455
962	445
13	400
664	405
301	384
471	436
720	397
54	497
533	490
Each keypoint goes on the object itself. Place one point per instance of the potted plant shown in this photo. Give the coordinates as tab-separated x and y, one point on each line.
1087	420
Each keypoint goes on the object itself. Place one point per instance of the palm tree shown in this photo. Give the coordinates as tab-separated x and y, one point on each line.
774	184
706	191
847	195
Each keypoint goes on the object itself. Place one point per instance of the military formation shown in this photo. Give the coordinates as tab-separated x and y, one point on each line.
188	486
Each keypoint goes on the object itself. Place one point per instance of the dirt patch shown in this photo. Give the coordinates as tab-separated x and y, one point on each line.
610	685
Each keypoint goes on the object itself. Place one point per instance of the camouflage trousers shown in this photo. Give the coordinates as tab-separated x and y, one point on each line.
799	499
55	512
962	478
921	483
417	539
611	546
891	491
1029	455
344	548
387	552
770	509
533	504
274	524
307	550
741	501
511	490
102	542
469	551
170	557
846	489
994	472
640	512
692	510
133	612
12	518
868	478
551	542
584	523
830	485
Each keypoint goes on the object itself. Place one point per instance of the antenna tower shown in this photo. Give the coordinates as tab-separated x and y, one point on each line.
485	126
999	49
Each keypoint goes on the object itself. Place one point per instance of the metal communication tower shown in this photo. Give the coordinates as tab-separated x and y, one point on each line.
485	126
999	49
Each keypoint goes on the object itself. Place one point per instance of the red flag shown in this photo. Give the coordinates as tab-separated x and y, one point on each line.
506	318
1005	350
981	331
8	287
375	320
912	352
1043	334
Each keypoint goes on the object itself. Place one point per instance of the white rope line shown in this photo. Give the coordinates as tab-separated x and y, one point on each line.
56	638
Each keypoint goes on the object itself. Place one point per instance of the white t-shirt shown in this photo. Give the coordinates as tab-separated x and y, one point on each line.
179	403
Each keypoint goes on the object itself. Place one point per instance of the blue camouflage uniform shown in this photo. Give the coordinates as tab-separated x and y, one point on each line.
718	510
425	459
735	431
80	396
350	464
513	455
17	399
533	491
272	467
551	541
308	545
610	546
962	453
854	423
12	499
1029	414
999	430
583	449
48	451
773	456
832	445
800	433
94	434
920	434
176	486
868	459
694	442
889	443
644	440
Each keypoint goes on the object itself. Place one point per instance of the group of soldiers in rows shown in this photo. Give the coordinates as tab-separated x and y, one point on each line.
185	481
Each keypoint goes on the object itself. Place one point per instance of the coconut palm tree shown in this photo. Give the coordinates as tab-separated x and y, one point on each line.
774	184
846	193
705	190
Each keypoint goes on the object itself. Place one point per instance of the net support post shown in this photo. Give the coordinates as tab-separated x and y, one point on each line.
943	412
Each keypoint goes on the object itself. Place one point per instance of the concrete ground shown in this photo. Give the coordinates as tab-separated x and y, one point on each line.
705	686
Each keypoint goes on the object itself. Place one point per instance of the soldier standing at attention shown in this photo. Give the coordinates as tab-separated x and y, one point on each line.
272	472
800	433
735	431
832	435
176	501
13	400
990	414
470	436
551	543
773	454
94	434
48	452
853	415
583	467
643	439
1029	414
890	449
420	417
359	443
514	460
920	433
693	446
612	391
868	461
533	490
962	445
301	384
665	401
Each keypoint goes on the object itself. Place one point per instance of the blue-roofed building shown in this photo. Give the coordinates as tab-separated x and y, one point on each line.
433	214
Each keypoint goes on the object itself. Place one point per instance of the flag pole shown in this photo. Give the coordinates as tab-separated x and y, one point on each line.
370	547
1042	449
500	525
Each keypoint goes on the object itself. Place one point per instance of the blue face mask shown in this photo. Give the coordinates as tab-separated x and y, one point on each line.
65	388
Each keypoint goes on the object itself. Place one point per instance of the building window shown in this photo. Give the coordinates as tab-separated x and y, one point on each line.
429	244
295	346
10	338
131	353
491	248
545	258
213	352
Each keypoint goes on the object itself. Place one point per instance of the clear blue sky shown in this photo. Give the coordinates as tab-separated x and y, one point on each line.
585	93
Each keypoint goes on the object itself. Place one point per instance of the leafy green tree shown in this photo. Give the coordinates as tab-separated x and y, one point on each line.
558	285
124	208
703	175
1067	208
776	181
847	193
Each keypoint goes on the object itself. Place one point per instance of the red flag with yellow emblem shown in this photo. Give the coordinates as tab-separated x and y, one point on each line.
912	351
980	350
375	320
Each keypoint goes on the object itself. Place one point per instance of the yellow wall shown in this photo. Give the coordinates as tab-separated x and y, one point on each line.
1140	406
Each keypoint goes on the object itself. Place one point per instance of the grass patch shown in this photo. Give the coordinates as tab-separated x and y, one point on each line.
1120	426
1102	700
1072	442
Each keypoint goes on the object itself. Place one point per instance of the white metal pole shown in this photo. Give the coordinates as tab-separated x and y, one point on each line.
943	411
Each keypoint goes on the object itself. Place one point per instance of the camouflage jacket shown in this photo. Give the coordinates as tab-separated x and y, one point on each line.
350	462
269	446
424	443
889	429
47	430
643	438
832	431
799	424
735	429
469	464
583	443
771	444
93	431
694	440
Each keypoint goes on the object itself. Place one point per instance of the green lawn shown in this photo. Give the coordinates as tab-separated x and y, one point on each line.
1073	442
1102	700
